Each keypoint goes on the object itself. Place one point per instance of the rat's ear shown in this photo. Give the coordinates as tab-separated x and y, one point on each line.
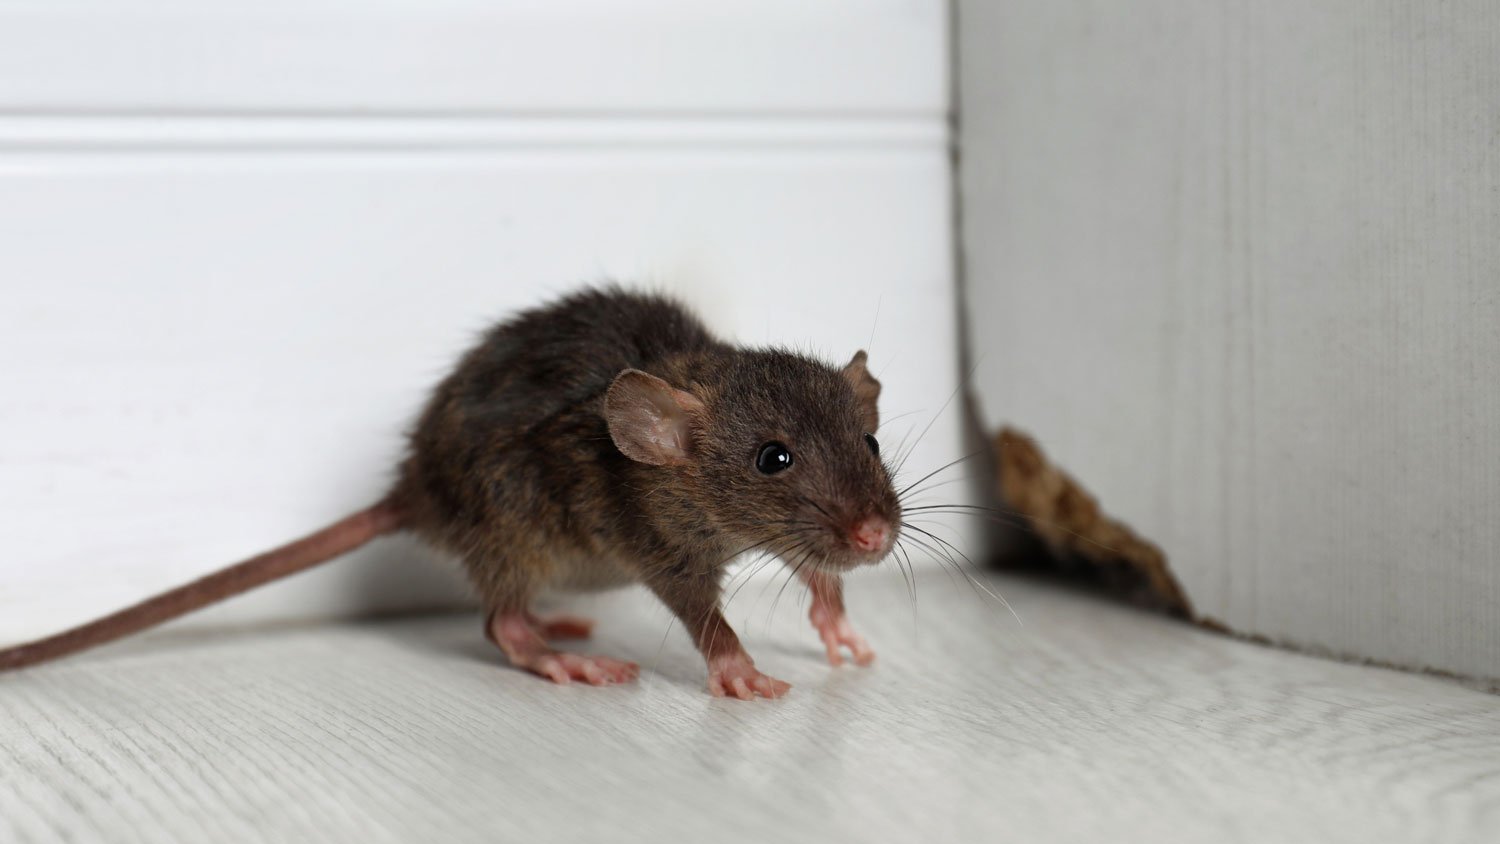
866	389
649	419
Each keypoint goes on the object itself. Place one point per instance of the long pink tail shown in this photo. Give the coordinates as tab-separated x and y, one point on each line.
335	540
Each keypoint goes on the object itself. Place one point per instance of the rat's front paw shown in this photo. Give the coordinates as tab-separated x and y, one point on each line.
837	633
736	675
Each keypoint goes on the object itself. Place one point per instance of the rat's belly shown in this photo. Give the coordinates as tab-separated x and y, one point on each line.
581	573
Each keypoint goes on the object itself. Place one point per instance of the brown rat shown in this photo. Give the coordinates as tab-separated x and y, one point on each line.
607	439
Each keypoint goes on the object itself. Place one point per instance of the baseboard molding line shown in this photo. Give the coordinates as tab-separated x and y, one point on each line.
336	133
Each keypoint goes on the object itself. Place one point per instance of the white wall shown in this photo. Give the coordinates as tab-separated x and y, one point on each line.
1237	265
238	241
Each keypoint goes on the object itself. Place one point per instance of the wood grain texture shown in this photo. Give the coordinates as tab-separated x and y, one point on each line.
1088	723
1236	266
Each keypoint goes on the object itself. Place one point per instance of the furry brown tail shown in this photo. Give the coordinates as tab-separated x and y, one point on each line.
338	538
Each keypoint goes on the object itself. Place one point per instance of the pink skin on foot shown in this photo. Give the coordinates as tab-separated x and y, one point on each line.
520	636
562	626
735	675
827	615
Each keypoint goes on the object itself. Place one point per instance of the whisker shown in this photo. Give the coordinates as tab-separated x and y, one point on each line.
1020	520
970	456
951	396
749	573
790	577
763	551
817	506
767	555
965	573
900	453
946	572
908	577
911	580
942	558
898	552
891	419
948	482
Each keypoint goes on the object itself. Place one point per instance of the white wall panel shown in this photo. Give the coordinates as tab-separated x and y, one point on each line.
1238	267
589	56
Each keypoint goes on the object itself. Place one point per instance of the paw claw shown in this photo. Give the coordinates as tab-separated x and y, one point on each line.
552	669
835	654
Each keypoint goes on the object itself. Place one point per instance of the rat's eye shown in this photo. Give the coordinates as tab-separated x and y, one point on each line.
873	444
773	457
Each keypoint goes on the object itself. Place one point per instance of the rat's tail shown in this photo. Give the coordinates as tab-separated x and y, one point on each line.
338	538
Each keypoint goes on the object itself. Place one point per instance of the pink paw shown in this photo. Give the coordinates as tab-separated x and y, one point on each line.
520	636
563	668
837	633
736	675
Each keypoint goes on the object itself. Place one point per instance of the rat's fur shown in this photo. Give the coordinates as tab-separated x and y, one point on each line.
515	470
518	466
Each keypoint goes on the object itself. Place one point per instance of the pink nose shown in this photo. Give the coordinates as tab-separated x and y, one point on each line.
871	534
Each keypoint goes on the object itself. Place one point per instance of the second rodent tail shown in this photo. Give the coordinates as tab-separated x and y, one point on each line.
335	540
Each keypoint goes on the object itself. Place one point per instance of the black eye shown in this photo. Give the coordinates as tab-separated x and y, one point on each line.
773	458
873	444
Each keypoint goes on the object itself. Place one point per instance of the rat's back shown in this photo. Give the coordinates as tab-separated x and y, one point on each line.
521	408
548	359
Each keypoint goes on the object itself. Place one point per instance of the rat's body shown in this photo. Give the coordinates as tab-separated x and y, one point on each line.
603	440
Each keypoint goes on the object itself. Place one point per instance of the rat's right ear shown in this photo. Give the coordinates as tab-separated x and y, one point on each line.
866	390
649	419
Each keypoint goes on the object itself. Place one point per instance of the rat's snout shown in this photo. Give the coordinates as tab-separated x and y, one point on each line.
871	534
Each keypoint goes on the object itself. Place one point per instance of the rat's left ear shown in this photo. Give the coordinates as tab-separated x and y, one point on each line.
649	420
866	390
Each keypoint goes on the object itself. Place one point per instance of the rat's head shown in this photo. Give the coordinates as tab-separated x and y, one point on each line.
773	449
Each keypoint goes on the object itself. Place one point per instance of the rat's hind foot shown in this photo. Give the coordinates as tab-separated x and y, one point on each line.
518	635
735	675
562	667
562	626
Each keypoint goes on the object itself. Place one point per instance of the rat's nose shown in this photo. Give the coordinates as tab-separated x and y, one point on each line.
870	534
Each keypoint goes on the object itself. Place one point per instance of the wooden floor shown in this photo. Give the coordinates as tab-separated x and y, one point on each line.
1089	723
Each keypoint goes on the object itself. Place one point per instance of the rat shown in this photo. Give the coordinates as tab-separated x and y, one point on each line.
605	439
